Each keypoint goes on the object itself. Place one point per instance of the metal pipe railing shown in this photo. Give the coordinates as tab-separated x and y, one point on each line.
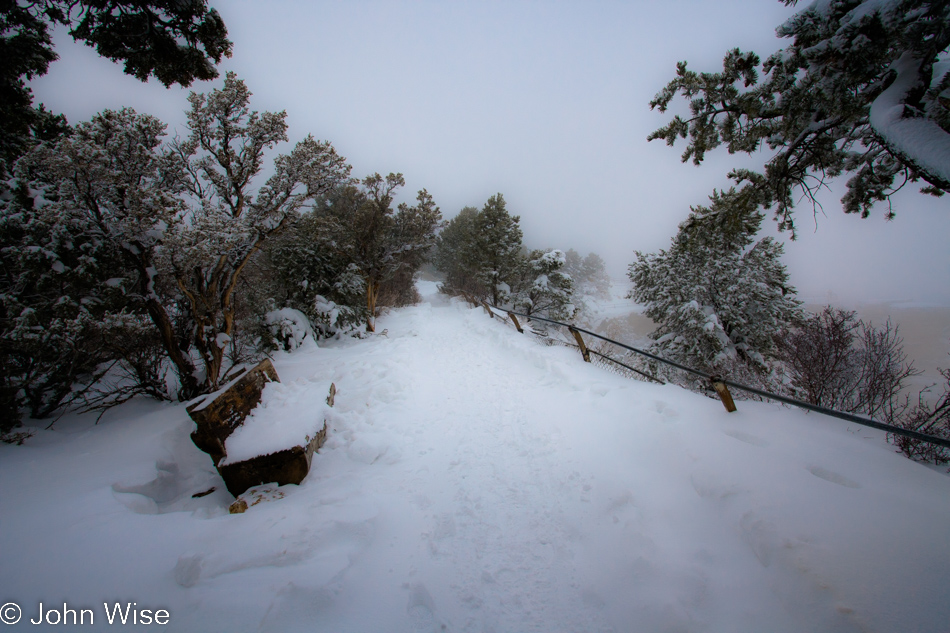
850	417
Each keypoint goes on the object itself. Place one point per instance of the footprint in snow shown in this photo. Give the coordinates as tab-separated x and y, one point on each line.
745	437
665	410
761	537
833	477
443	529
421	610
709	486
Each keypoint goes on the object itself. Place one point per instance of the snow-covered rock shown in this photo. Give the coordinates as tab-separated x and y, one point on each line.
260	431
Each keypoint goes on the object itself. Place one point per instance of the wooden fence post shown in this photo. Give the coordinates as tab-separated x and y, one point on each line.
723	391
580	344
488	310
515	321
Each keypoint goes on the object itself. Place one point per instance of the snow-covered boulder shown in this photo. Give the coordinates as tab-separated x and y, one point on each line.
218	414
258	430
277	441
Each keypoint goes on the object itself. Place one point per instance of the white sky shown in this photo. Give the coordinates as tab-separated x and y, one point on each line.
545	102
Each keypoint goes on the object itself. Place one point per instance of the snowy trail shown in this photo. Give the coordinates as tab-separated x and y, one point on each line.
491	536
474	481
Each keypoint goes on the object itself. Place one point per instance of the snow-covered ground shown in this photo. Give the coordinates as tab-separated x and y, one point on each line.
475	481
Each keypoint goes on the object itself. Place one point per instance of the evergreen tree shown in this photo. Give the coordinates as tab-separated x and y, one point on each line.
480	252
229	218
717	295
175	42
361	227
455	254
415	235
173	225
595	280
497	248
573	265
83	234
545	289
860	90
298	270
590	278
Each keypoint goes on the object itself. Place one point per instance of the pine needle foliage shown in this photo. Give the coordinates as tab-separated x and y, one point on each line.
862	90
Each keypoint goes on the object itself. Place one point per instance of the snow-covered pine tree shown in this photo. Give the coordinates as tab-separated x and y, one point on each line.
863	89
573	265
497	247
596	281
361	227
717	295
589	274
545	288
456	257
175	42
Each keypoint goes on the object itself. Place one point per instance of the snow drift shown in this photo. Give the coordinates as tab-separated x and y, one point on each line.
473	480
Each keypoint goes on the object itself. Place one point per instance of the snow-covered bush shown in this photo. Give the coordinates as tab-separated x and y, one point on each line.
288	329
298	270
332	320
930	419
545	289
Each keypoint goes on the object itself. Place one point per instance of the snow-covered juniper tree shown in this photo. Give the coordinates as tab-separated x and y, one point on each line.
717	295
80	242
360	226
863	89
229	216
545	289
183	218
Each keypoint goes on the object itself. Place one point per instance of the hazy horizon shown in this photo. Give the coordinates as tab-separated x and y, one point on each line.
546	103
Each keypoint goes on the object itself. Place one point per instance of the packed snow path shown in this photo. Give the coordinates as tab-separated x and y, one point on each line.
474	481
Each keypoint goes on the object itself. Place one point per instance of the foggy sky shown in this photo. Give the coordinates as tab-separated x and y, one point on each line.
545	102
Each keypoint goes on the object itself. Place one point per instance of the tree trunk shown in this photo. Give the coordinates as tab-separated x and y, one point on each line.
183	365
9	409
372	292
